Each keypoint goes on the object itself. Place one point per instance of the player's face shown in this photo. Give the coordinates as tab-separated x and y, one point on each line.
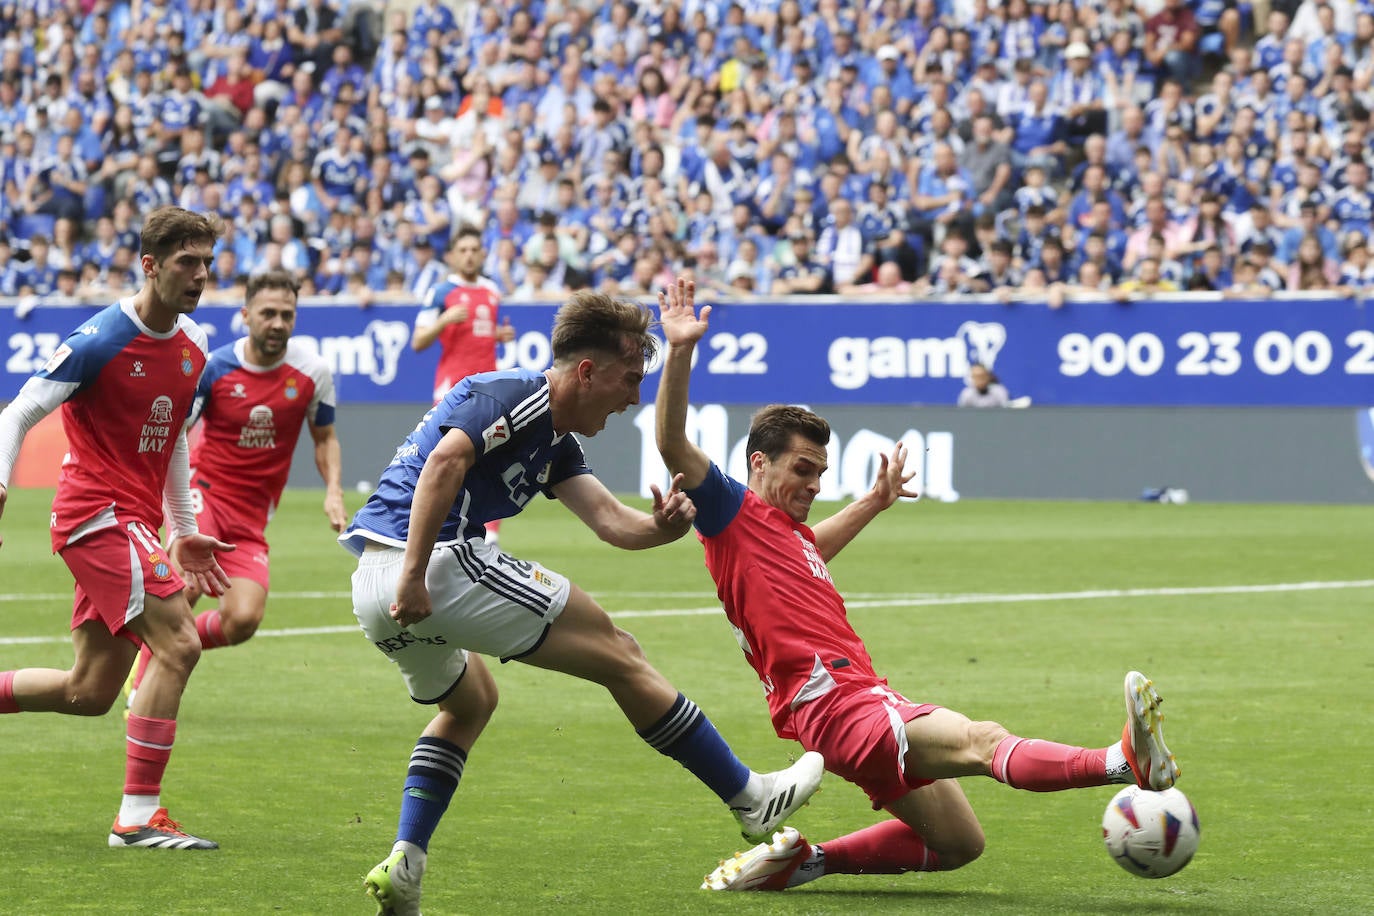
791	481
467	257
270	320
179	279
611	386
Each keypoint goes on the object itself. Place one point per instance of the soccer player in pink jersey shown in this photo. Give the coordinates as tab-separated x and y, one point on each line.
460	314
254	398
770	573
125	381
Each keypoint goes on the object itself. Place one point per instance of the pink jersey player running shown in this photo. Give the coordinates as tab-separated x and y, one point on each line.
771	575
255	397
125	381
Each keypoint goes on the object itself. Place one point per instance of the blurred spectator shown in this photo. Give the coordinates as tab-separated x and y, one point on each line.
983	389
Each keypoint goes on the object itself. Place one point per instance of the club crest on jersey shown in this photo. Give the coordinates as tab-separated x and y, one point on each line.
496	433
187	367
261	431
292	391
160	568
137	370
157	429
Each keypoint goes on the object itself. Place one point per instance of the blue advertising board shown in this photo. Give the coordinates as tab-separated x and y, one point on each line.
1163	352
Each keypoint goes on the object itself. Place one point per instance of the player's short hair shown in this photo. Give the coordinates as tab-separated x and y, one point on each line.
465	230
592	322
272	279
169	229
772	428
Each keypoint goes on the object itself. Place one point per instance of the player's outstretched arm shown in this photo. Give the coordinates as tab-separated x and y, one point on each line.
892	482
682	328
621	525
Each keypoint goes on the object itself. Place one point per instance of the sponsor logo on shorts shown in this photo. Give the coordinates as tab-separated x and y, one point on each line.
405	639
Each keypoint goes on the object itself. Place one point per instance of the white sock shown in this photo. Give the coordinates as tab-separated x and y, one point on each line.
1118	770
137	810
748	796
810	870
415	856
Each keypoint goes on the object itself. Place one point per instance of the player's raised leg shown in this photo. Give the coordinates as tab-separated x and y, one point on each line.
1142	739
436	766
585	643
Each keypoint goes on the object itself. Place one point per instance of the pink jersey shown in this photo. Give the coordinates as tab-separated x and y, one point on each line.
251	418
465	347
125	393
787	615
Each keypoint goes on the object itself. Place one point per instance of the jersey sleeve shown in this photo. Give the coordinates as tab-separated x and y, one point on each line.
322	406
718	499
434	304
485	421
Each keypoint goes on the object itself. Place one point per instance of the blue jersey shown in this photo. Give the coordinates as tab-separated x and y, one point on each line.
506	415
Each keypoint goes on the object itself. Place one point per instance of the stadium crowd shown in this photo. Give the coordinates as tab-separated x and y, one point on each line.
891	148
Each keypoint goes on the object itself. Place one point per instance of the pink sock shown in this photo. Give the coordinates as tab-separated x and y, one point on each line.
149	747
145	655
7	701
886	848
1044	766
211	630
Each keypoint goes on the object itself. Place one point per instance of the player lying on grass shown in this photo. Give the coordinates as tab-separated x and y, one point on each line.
770	572
430	592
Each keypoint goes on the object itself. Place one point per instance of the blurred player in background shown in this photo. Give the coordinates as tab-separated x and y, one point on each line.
770	570
431	593
254	397
460	313
125	381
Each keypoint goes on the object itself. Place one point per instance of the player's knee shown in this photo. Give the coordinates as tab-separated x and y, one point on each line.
239	628
983	738
962	849
633	650
91	696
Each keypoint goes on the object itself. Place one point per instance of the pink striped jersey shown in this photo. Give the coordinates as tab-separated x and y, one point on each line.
125	393
778	595
251	418
466	347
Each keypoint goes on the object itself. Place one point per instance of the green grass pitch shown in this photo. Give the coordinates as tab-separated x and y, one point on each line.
292	748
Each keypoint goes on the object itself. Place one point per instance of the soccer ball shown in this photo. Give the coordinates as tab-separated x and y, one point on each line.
1150	834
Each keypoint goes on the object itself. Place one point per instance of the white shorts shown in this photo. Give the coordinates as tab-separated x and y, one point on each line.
482	599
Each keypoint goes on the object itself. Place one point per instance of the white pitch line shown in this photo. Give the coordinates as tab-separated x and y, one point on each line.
894	602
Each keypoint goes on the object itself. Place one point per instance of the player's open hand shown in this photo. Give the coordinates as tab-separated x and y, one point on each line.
893	478
412	602
194	555
676	511
677	313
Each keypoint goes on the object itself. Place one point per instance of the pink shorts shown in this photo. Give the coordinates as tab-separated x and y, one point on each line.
860	730
248	559
114	569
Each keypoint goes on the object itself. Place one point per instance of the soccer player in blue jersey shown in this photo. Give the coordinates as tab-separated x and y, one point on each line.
431	593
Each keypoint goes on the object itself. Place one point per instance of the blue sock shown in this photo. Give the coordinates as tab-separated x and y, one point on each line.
436	766
685	734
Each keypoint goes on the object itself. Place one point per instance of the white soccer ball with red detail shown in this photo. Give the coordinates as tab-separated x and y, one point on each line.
1150	834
